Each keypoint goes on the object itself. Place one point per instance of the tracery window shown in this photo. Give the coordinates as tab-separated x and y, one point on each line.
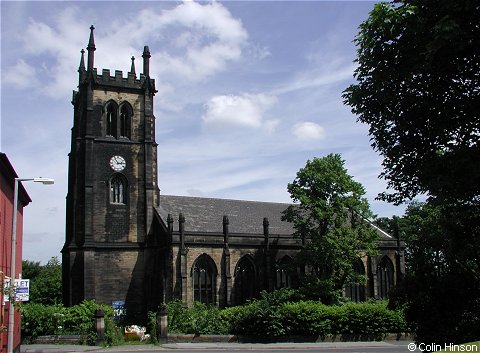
204	280
125	120
118	189
354	290
245	280
111	120
286	271
118	122
384	277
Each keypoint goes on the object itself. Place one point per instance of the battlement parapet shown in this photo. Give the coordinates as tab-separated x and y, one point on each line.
118	80
90	73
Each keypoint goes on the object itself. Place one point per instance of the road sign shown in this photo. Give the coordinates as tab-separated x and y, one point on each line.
22	290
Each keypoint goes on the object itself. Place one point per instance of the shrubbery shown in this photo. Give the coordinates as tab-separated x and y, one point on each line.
198	319
39	319
276	315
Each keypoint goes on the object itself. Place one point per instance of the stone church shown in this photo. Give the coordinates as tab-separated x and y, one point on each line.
127	243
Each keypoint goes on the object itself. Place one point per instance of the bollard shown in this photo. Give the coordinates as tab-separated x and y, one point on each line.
162	322
100	325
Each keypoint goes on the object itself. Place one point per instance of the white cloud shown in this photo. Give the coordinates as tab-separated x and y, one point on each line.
244	110
205	36
21	75
314	78
213	17
189	42
271	125
260	52
231	173
199	51
308	131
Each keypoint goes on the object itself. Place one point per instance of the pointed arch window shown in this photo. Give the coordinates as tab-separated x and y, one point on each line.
125	120
118	189
286	270
111	120
384	277
204	280
245	280
355	290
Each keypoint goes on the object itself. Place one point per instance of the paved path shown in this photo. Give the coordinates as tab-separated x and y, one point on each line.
322	346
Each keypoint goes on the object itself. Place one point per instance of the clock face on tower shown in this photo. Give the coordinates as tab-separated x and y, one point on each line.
117	163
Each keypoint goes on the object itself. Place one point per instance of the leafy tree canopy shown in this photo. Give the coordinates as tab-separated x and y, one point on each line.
31	269
418	88
443	272
45	281
330	212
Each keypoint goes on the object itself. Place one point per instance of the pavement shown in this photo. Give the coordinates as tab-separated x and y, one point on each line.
71	348
56	348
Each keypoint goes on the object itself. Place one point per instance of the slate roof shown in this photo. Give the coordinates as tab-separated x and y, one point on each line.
205	215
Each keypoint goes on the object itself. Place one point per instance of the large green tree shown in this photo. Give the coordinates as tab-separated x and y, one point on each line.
331	213
418	88
31	269
441	288
45	281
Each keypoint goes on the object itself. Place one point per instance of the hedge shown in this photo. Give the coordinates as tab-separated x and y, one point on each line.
270	318
198	319
40	319
273	316
307	318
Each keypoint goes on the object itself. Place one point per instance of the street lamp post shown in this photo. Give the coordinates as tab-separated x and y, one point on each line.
11	311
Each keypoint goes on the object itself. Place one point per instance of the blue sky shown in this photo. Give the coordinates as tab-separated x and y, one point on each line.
248	91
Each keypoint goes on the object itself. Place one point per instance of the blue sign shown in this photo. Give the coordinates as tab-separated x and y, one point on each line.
119	311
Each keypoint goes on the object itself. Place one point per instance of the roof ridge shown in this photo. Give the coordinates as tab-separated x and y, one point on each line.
226	199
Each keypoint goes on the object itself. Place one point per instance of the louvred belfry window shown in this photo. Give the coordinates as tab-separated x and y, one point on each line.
125	120
111	120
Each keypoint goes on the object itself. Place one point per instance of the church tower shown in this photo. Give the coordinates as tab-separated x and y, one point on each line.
112	184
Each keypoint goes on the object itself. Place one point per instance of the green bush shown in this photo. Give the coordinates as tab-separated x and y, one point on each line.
369	318
46	284
176	317
262	317
231	317
308	318
114	335
40	319
274	315
259	318
81	321
152	327
198	319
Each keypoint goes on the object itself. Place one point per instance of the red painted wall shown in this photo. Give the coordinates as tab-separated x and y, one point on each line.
7	178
